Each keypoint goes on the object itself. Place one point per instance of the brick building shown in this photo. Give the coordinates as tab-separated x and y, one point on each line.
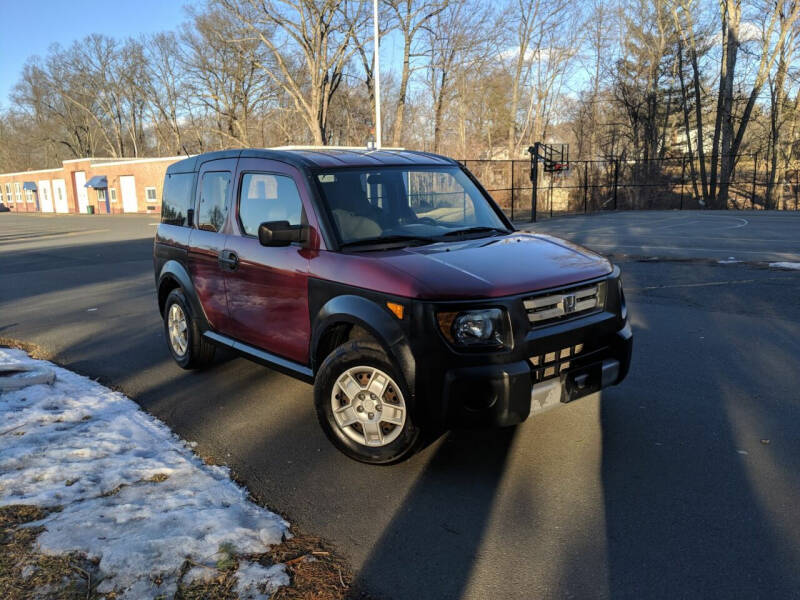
107	185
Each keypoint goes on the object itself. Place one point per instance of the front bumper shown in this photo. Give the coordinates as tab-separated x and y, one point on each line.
506	394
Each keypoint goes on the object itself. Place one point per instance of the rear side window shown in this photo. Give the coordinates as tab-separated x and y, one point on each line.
266	198
214	192
177	198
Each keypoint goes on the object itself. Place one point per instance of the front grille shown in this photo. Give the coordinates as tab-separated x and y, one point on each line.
565	304
552	364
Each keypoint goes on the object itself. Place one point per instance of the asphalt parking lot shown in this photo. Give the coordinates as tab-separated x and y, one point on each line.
744	236
682	482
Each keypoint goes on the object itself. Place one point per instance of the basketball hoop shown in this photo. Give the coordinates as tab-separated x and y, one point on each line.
554	157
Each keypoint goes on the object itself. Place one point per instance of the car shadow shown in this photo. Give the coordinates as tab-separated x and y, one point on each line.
430	545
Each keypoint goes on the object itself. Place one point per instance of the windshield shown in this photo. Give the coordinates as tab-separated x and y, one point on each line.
396	205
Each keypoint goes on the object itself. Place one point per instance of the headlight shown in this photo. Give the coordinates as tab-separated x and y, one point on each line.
487	327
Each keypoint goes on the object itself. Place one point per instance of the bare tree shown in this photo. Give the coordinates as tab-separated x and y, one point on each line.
541	45
167	90
691	46
49	118
778	157
315	34
781	17
411	17
225	76
455	38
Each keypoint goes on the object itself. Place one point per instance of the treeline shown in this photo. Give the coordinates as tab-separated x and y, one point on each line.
630	79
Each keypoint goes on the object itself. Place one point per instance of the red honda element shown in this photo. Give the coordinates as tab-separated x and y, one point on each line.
392	282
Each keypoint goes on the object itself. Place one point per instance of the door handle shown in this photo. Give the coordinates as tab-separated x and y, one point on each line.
228	259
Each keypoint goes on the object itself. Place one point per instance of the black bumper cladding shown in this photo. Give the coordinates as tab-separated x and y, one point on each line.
506	394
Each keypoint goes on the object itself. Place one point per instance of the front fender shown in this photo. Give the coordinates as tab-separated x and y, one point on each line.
378	321
173	273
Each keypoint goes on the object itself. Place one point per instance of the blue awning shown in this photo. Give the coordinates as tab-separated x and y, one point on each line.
29	185
98	181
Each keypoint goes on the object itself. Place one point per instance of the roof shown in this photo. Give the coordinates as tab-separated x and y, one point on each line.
321	157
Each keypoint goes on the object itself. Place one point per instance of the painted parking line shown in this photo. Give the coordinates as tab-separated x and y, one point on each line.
59	235
593	235
703	284
701	218
684	248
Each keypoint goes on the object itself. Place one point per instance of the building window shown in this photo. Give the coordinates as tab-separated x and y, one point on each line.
17	192
150	194
9	197
1	194
29	195
112	194
101	195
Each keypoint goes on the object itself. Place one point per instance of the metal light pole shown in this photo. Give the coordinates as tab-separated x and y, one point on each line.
377	75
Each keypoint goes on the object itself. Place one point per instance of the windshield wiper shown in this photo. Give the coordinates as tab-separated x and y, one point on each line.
469	230
389	239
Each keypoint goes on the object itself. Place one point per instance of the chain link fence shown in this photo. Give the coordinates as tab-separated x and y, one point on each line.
590	186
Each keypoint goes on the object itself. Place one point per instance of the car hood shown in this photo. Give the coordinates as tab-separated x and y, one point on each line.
496	266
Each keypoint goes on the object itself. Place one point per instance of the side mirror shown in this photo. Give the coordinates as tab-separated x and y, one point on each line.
280	233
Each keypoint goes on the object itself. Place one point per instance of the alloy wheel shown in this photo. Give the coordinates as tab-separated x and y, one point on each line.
178	329
368	406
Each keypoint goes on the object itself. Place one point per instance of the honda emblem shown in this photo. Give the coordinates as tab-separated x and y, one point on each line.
568	302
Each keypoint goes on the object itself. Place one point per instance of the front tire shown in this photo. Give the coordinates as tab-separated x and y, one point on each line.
184	338
364	405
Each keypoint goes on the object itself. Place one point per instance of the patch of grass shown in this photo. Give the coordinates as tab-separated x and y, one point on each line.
226	560
32	349
316	571
26	574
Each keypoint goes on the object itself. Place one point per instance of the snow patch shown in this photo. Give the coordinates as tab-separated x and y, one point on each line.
132	494
785	265
201	574
256	582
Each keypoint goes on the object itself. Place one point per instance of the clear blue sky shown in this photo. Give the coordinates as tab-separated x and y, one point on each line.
48	22
31	26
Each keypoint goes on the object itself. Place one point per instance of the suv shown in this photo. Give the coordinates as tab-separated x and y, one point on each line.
392	282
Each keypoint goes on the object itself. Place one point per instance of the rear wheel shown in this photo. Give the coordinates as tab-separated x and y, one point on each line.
363	405
184	339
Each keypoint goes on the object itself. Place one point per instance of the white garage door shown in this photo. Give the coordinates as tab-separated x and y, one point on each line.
127	184
45	195
80	191
60	196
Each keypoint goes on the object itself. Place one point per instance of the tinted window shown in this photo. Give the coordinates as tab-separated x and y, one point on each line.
177	198
214	191
268	198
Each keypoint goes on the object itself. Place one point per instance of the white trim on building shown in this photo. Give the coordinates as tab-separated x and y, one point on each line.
133	161
30	172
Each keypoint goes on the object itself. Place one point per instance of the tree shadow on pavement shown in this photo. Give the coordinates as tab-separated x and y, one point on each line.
696	504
